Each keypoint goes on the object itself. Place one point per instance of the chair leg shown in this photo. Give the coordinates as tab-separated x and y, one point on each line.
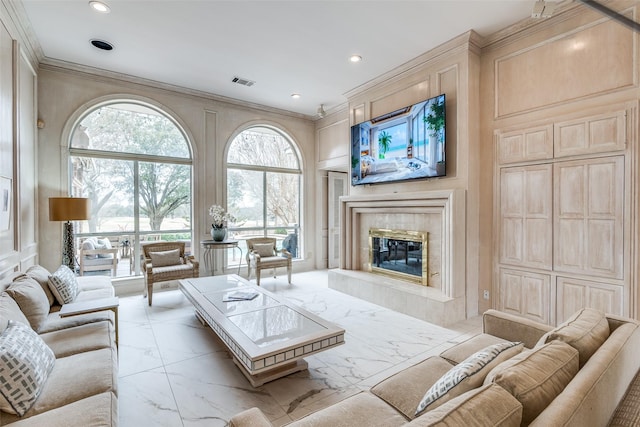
150	292
289	273
258	277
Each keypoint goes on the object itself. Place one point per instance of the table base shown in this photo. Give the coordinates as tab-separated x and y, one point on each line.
272	374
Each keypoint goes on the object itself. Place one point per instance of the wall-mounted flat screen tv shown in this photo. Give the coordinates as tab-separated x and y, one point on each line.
408	143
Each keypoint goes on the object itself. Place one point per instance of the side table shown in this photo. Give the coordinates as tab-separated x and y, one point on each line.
211	245
91	306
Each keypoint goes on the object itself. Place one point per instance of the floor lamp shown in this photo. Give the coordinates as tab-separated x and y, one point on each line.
68	209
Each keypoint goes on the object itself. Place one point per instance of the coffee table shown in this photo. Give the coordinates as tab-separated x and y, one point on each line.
267	336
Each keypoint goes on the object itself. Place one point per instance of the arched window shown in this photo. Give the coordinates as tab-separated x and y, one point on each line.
264	182
134	163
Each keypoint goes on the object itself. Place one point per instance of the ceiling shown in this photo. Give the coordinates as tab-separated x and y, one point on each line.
286	47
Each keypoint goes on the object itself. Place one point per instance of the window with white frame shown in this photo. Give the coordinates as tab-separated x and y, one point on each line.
264	182
135	165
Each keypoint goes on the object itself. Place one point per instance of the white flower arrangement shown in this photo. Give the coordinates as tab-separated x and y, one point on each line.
219	216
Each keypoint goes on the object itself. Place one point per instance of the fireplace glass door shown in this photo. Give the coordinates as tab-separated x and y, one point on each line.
399	254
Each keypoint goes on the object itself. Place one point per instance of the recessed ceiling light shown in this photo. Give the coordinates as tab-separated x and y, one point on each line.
355	58
98	6
295	95
101	44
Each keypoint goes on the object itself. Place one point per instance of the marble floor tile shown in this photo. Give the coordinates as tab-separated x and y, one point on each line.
146	399
176	372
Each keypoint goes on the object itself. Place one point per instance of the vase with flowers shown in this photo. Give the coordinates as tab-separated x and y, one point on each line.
220	219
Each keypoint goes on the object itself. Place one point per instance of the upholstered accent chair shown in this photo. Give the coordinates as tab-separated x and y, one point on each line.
262	254
98	255
164	261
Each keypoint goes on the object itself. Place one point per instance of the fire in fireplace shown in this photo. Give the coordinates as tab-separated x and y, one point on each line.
399	254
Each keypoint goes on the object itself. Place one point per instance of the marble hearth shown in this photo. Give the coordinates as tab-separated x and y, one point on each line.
439	213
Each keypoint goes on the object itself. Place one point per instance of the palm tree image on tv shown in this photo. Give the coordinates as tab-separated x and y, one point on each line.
384	142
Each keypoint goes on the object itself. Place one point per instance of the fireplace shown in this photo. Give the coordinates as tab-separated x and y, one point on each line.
442	299
399	254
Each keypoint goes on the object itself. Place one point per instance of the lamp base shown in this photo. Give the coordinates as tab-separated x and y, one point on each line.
68	250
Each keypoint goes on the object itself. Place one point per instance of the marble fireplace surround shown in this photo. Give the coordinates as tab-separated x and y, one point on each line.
440	213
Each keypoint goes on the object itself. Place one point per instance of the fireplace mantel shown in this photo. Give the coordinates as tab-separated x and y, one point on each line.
439	213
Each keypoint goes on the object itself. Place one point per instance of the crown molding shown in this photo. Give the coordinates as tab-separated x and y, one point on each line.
98	74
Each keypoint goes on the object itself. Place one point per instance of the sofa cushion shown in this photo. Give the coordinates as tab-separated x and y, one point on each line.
535	377
264	249
41	275
467	375
57	323
98	410
362	409
63	285
31	299
9	310
92	336
461	351
74	378
489	405
165	258
585	331
404	390
26	364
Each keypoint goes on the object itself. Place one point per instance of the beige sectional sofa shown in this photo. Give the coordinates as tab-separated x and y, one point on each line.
80	388
517	372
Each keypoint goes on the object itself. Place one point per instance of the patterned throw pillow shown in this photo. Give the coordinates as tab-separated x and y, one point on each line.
63	285
25	364
263	249
467	375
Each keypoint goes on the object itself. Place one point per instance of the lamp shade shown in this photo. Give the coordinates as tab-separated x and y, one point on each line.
68	208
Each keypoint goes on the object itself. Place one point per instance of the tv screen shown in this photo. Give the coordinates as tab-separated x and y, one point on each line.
408	143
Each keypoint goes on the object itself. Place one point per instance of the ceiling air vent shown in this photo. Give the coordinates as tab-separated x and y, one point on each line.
243	82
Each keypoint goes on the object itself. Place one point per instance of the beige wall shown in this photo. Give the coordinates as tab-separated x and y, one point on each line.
18	81
209	124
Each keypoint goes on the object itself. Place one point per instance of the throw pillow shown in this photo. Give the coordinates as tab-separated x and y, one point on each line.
536	377
489	405
9	310
165	258
89	245
26	364
585	331
467	375
31	299
104	244
263	249
41	275
63	285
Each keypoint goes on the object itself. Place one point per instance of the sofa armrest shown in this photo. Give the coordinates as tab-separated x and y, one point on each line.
250	418
513	328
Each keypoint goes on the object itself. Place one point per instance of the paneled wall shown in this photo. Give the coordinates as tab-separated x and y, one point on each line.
18	171
560	116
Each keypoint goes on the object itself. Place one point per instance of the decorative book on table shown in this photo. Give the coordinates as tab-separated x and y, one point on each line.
240	296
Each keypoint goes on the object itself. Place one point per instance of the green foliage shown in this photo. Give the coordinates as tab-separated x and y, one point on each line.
384	141
435	118
163	187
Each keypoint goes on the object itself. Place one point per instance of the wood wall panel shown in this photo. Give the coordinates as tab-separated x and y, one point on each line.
8	245
576	65
588	216
526	216
526	144
333	145
574	294
526	294
599	134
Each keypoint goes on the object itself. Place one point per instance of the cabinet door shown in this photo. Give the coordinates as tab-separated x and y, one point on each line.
588	217
525	144
574	294
595	134
526	216
525	294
